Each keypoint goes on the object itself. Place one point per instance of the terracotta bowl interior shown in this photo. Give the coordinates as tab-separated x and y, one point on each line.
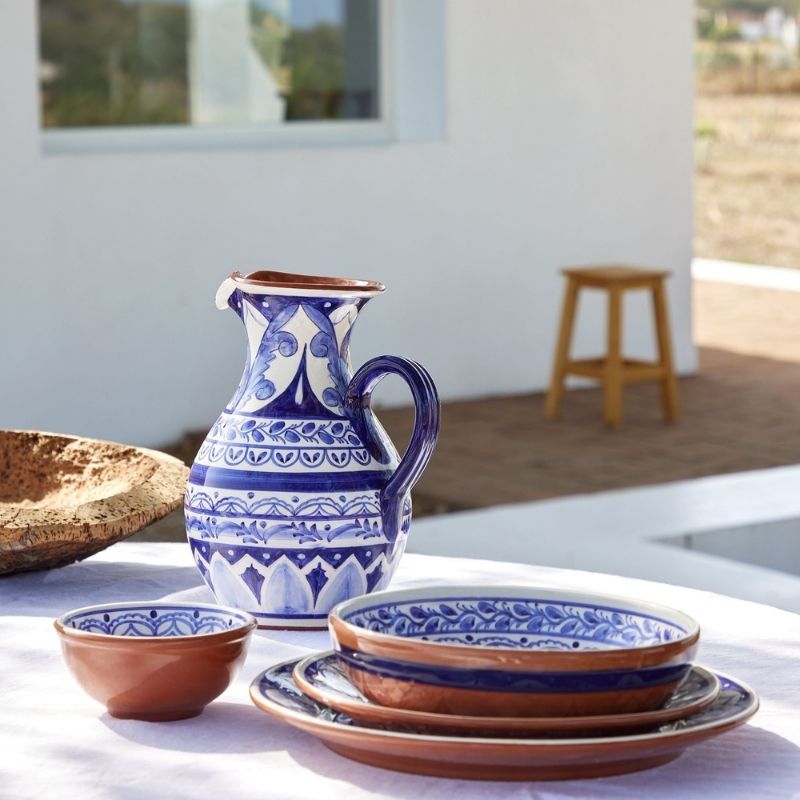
291	280
45	471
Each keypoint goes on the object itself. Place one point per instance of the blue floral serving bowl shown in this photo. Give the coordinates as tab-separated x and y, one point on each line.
156	660
513	651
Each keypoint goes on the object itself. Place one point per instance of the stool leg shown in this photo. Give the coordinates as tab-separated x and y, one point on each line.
612	380
556	393
669	384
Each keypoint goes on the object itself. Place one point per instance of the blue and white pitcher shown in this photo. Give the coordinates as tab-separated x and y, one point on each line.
297	499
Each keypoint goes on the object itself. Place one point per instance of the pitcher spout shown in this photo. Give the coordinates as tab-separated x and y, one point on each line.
225	292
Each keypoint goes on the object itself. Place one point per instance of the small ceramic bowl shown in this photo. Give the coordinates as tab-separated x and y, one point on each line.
156	660
513	651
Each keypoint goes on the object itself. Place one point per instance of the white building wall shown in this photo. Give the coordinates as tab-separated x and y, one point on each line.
568	140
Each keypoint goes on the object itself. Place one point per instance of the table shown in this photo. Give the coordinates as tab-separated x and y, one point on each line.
57	742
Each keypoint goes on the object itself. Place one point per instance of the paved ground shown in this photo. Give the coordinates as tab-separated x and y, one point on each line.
739	413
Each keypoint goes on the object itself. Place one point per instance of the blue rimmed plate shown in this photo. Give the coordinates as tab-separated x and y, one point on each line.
323	678
275	692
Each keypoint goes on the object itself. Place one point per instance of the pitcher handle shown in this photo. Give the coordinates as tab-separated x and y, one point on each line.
427	413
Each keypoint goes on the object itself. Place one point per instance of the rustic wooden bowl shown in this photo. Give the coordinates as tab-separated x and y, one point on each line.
63	498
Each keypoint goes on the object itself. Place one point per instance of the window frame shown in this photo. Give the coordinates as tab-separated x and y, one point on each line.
117	138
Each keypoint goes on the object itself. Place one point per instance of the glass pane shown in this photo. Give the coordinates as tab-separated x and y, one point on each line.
207	62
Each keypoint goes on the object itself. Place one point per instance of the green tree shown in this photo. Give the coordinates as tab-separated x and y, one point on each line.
114	62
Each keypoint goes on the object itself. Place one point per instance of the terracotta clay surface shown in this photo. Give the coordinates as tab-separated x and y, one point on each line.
496	758
63	498
155	678
328	693
409	694
418	651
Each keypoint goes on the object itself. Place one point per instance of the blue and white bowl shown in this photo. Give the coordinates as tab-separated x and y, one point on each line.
513	651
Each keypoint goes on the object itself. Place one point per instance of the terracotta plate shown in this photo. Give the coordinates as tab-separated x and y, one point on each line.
275	692
323	678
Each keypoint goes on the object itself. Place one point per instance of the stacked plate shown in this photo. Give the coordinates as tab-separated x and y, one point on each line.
506	683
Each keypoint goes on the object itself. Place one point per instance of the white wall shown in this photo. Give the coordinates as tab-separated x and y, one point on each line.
568	140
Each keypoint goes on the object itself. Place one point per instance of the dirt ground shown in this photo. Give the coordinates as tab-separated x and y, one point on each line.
747	192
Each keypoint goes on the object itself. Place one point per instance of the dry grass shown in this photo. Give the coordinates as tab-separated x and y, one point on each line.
746	68
747	204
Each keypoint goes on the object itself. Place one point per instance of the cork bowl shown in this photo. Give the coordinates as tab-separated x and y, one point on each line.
63	498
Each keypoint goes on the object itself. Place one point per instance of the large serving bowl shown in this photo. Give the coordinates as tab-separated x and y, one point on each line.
63	498
157	660
513	651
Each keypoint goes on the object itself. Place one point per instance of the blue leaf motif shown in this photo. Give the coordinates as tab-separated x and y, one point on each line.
570	626
432	625
602	631
291	436
536	623
467	622
553	613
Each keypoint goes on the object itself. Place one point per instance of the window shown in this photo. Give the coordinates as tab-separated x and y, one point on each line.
132	71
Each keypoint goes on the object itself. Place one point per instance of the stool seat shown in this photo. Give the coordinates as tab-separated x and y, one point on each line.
615	275
613	370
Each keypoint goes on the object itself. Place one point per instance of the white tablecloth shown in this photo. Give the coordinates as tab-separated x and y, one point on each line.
55	742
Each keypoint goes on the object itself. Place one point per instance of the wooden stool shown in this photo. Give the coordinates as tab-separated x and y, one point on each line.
614	370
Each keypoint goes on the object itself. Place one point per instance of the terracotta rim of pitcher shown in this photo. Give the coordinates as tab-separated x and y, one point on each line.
273	279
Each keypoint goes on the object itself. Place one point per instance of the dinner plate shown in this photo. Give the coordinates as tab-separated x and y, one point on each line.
323	678
275	692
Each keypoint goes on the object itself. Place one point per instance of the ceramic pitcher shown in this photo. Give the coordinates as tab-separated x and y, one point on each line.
297	499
